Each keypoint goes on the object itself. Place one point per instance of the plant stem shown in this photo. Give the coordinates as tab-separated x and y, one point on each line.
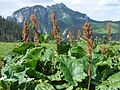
89	72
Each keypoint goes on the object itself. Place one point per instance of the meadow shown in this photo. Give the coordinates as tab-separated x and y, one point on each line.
58	64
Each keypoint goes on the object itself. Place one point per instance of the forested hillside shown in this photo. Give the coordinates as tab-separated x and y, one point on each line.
9	31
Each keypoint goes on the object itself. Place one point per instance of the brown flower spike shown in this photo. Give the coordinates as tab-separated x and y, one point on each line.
25	32
34	21
78	36
88	37
55	28
109	31
70	38
55	25
58	39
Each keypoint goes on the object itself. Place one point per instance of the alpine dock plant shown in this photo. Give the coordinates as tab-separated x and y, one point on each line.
34	21
25	32
89	42
78	36
55	25
70	38
58	39
109	31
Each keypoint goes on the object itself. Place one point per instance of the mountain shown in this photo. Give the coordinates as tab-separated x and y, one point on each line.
68	20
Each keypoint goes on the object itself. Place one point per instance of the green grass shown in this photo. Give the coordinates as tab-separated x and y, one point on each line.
102	28
52	46
5	48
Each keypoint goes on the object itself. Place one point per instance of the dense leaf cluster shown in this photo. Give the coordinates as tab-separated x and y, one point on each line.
42	68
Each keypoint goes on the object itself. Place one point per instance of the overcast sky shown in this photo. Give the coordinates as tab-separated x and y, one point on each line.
95	9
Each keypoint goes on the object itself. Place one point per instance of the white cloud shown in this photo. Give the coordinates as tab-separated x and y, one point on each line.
110	2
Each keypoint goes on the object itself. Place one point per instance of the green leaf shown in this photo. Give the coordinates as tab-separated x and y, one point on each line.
32	56
48	55
112	83
22	77
70	88
23	48
77	52
55	77
62	86
101	87
72	70
44	86
114	80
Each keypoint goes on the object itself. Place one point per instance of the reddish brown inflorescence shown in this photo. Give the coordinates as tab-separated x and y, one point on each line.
55	25
34	21
88	37
104	50
55	28
109	31
90	43
70	38
25	32
78	36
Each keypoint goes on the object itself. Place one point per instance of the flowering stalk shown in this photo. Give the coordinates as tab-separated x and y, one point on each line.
70	38
109	31
78	36
88	37
34	21
25	32
55	25
58	39
55	29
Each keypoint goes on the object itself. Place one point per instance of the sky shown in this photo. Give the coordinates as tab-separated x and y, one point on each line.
96	9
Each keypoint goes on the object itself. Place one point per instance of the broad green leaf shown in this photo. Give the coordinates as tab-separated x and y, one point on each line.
82	43
70	88
77	52
48	55
112	83
101	87
114	80
32	56
23	48
62	86
55	77
72	69
44	86
22	77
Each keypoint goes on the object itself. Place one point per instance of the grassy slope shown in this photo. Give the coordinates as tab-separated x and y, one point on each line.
5	48
102	28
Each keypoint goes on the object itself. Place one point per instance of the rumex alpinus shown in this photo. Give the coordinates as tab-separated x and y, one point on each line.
34	21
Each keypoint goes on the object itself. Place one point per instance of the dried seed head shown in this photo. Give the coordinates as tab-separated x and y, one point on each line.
58	39
34	21
109	31
88	37
35	38
70	38
52	17
33	18
78	36
55	26
104	50
25	32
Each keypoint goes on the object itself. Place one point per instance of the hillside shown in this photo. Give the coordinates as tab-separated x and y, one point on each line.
68	20
9	31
